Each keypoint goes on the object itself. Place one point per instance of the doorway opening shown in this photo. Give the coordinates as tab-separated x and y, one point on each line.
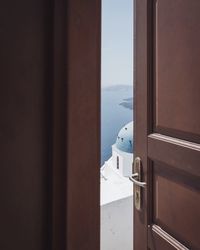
117	124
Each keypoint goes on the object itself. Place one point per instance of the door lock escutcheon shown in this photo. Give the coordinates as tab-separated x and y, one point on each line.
138	184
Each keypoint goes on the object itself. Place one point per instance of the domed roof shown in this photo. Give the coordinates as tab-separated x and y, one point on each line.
124	140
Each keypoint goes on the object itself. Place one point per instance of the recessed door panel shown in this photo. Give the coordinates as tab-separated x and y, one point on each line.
176	68
176	204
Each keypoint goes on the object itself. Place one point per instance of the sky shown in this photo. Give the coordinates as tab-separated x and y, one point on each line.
117	42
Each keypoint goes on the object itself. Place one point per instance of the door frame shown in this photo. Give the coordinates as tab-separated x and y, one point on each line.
76	125
142	112
71	19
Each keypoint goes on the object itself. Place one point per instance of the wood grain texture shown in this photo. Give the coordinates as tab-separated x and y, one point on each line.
173	143
83	124
180	154
161	240
177	56
177	205
167	123
25	124
50	117
141	125
59	124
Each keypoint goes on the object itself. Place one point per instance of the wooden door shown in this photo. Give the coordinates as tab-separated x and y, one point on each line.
25	62
167	123
49	125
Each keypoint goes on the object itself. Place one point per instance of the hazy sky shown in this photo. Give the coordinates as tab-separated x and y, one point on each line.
117	42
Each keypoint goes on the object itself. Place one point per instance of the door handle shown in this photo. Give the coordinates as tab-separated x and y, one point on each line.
138	184
134	178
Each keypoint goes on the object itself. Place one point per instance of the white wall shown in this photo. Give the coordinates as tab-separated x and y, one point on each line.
125	161
114	160
127	168
117	225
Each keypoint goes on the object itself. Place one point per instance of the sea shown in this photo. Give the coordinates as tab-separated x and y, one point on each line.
116	111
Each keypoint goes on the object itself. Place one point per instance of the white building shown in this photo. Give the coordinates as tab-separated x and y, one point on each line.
117	194
115	184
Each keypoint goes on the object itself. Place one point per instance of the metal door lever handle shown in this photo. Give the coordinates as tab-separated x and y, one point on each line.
136	182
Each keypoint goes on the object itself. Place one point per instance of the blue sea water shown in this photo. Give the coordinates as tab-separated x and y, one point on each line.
113	117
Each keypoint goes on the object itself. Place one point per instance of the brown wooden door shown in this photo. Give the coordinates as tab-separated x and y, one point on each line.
167	123
25	62
49	109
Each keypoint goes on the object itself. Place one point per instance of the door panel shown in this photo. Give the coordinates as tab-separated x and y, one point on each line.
175	167
180	154
170	154
176	200
176	79
159	239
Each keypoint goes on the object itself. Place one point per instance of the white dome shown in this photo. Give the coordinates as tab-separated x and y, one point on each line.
124	140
